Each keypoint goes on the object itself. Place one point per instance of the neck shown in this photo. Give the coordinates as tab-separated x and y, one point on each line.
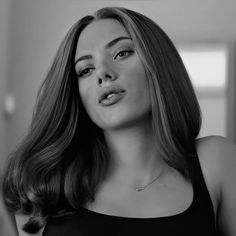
133	155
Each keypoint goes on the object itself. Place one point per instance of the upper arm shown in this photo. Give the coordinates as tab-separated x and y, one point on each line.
227	207
20	221
218	157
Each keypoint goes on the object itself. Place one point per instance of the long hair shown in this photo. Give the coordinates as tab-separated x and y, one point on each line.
59	165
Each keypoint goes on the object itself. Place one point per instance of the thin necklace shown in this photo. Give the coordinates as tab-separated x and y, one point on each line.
141	188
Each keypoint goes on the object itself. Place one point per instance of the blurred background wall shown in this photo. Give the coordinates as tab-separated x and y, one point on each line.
31	30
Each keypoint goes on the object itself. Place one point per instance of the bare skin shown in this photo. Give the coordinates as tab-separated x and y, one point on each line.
134	158
217	159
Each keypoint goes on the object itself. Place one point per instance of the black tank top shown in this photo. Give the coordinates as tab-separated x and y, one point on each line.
196	220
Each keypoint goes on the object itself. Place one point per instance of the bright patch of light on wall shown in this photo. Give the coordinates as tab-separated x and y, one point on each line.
206	65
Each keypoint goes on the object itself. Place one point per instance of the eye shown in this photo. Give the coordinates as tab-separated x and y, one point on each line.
124	53
84	72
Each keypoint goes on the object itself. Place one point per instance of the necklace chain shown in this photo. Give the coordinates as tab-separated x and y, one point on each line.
141	188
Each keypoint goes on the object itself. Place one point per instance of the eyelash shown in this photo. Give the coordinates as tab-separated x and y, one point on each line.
130	52
124	51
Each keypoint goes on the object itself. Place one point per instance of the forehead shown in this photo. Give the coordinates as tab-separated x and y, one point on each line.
98	33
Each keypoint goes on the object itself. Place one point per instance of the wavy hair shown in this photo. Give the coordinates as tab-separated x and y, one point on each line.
59	165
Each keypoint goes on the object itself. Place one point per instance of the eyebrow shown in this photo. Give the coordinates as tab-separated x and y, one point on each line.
108	45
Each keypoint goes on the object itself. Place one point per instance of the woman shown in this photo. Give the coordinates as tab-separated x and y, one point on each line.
113	148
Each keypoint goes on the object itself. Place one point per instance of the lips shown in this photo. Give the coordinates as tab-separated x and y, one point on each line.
111	95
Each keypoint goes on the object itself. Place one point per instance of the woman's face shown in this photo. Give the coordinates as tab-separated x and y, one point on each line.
111	78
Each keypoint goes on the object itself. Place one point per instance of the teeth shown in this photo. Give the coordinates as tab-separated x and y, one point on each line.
110	95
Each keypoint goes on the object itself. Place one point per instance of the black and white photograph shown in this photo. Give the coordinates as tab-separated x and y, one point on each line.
117	118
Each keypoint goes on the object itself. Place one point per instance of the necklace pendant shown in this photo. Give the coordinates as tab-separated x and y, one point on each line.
139	189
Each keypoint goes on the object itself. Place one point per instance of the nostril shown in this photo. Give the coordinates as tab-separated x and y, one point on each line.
104	78
99	81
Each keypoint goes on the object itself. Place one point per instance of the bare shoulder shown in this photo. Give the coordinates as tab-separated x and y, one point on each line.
20	221
217	156
215	142
216	151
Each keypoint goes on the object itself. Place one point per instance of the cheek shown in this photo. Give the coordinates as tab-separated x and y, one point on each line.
138	82
88	97
85	92
82	93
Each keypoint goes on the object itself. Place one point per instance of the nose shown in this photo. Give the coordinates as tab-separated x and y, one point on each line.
105	73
